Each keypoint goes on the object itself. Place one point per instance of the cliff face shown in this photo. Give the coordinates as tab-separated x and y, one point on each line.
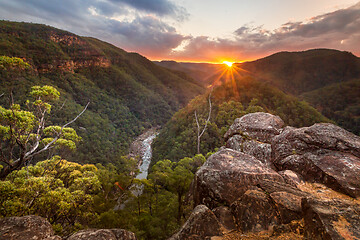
278	182
85	57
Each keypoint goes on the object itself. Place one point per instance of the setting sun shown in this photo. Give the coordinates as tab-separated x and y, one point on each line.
229	64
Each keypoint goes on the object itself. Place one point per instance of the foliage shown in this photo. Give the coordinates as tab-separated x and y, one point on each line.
24	134
74	196
327	79
178	138
69	195
56	189
344	109
12	63
128	93
162	207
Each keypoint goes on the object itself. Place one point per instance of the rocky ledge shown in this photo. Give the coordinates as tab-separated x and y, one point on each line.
38	228
276	182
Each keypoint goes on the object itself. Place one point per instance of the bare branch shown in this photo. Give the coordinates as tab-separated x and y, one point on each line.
47	147
26	156
76	117
199	135
208	119
2	94
62	105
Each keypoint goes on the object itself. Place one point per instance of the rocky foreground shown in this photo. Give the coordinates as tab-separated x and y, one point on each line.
268	182
276	182
38	228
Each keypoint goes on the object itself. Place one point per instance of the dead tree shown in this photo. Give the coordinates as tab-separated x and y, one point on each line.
199	131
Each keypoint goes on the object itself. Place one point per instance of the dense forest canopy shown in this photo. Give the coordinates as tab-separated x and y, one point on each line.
127	92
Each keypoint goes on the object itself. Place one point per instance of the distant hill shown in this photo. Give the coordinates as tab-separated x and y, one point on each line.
202	72
327	79
300	72
340	102
127	91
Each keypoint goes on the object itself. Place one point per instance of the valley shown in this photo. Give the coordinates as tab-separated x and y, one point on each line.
278	158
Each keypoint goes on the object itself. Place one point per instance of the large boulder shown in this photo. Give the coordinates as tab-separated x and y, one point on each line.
225	217
227	175
25	228
259	150
321	153
202	224
331	219
268	204
259	126
255	212
103	234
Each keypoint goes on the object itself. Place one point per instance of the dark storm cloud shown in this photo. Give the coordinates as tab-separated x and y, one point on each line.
339	30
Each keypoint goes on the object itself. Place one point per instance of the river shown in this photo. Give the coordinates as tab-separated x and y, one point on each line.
146	156
140	147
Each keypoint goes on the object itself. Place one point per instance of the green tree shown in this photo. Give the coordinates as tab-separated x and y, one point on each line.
61	191
176	177
24	133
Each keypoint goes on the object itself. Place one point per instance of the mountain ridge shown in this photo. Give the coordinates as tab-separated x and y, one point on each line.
128	93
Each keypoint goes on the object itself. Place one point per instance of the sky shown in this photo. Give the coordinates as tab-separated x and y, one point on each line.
201	30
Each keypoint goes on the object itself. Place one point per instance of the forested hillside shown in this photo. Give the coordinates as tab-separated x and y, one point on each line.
301	74
126	91
230	100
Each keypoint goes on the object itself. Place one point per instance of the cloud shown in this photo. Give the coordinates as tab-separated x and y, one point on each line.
150	34
159	7
338	30
143	26
135	25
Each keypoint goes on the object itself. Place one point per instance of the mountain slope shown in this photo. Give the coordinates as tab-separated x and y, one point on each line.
340	102
230	100
202	72
127	91
299	72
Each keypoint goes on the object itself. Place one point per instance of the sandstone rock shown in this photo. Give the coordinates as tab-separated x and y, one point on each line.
103	234
227	175
323	153
296	226
288	206
291	177
331	219
285	198
201	224
54	238
272	187
25	228
259	126
255	212
261	151
225	217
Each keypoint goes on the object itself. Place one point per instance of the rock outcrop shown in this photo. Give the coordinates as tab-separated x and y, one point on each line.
227	175
331	219
103	234
25	228
38	228
260	126
265	179
201	224
321	153
252	134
